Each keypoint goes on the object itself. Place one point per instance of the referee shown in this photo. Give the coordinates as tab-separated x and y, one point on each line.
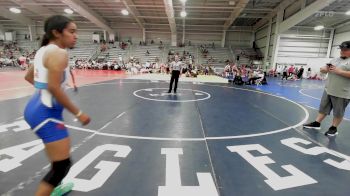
336	95
175	73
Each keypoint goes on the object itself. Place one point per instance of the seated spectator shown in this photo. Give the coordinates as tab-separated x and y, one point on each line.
300	73
284	73
238	79
117	67
147	65
252	77
291	70
206	70
227	70
264	80
134	70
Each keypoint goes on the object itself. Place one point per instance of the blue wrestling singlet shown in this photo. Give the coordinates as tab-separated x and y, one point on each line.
43	113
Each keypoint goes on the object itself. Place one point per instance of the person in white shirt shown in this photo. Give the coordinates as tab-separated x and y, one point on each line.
176	67
285	69
147	65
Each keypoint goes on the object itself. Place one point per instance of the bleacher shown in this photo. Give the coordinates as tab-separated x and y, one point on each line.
28	45
83	50
216	57
140	53
102	55
219	56
246	55
179	50
115	52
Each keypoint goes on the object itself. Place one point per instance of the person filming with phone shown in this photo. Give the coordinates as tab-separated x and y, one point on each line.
336	93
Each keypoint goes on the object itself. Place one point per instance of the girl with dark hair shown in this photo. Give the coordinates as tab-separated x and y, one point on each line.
44	110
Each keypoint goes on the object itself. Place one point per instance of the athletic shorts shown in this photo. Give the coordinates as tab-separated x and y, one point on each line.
329	102
46	122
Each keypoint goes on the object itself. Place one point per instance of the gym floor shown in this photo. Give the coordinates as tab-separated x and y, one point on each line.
209	139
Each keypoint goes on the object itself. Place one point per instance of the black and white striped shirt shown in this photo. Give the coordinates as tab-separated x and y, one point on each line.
176	66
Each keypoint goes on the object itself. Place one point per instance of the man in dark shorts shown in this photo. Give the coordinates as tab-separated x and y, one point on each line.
336	95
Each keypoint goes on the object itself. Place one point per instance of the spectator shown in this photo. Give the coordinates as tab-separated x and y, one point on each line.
308	73
291	70
336	94
285	75
300	73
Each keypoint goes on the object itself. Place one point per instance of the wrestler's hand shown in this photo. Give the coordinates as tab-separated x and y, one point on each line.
84	119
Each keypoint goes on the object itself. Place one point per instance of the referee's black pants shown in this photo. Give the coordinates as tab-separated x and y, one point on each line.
174	76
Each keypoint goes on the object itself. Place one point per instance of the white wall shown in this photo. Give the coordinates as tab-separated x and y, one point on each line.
197	38
261	39
299	46
233	38
239	39
304	43
304	47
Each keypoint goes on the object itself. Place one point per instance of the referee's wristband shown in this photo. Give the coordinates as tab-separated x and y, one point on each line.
79	114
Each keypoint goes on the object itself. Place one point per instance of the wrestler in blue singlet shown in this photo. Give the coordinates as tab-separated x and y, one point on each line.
43	113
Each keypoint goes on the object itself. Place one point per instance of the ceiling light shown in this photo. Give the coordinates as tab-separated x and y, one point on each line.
68	11
15	10
125	12
183	1
347	13
319	27
183	14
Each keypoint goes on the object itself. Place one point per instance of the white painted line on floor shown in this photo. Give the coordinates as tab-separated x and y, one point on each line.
45	168
120	115
134	137
171	100
19	118
301	92
208	138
